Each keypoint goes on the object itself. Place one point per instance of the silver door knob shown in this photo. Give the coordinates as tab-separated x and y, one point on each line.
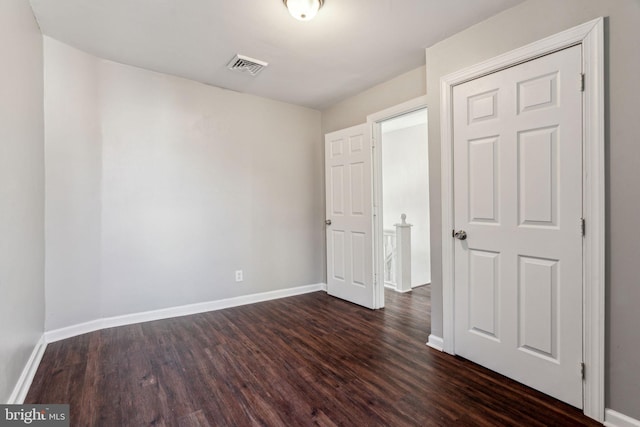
460	235
327	222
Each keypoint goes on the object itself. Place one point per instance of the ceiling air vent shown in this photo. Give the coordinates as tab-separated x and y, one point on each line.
246	65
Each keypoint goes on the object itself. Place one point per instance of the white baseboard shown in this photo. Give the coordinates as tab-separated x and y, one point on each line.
26	377
436	342
616	419
183	310
420	285
393	288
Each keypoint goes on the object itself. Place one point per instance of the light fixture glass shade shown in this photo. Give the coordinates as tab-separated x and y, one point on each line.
303	10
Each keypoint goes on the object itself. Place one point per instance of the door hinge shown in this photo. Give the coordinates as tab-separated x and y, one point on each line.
582	370
453	233
583	226
582	82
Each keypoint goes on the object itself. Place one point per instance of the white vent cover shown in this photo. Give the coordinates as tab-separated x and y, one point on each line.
246	65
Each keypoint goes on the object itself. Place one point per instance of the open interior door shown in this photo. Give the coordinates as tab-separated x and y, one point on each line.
349	221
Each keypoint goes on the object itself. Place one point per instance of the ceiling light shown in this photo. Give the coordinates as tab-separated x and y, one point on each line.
303	10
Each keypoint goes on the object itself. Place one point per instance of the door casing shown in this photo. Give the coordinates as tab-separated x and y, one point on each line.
590	36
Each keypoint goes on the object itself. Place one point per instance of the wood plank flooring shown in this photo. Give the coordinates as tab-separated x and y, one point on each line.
300	361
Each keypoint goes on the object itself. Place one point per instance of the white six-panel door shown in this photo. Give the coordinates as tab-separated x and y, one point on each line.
518	196
349	210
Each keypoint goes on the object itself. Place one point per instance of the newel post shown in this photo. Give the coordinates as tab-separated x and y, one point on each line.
403	255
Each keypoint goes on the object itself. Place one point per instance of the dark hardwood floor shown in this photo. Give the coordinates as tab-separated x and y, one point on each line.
305	360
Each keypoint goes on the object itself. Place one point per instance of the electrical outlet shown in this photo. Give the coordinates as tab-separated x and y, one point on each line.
239	276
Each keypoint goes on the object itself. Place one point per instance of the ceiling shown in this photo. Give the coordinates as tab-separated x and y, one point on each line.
350	46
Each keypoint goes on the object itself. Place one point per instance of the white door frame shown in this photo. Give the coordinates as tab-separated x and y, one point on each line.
374	123
590	36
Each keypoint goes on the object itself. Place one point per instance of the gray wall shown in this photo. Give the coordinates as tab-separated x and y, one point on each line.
354	111
525	23
21	191
159	188
73	153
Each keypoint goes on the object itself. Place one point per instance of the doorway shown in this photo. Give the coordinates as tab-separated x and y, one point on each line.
375	123
405	199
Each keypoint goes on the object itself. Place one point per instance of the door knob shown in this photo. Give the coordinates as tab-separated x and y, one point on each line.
460	235
327	222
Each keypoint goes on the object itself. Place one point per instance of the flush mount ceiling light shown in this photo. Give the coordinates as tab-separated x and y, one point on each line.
303	10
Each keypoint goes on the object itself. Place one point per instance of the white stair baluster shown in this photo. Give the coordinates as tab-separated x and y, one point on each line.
389	243
403	255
